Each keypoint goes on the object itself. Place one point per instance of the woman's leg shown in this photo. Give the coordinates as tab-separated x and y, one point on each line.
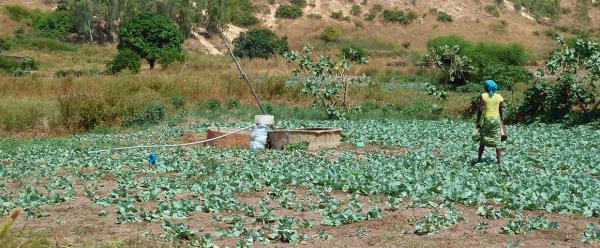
498	154
481	148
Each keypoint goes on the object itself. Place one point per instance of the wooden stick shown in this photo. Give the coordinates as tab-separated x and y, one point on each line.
237	63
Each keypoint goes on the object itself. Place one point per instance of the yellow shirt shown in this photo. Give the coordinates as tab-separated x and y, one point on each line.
491	104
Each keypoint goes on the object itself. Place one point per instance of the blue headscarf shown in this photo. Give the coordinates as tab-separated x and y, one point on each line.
491	87
152	158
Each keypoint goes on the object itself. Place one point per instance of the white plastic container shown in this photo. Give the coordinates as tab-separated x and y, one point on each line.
264	119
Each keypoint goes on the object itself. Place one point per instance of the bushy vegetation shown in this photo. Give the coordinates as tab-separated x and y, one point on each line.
125	59
354	53
331	33
259	43
572	98
17	66
152	37
299	3
289	11
443	16
399	16
492	10
465	61
541	8
327	79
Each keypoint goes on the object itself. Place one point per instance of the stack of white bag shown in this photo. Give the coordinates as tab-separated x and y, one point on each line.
258	138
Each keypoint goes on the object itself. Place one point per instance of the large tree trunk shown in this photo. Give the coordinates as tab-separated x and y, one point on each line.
151	61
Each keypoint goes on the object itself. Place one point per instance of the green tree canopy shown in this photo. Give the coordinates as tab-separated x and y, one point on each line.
151	36
259	43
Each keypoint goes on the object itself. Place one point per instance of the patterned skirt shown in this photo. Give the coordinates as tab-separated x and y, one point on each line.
490	133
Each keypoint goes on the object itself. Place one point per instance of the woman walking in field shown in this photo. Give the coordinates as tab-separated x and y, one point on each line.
489	132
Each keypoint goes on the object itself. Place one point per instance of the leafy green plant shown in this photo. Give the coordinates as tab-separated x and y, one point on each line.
591	234
153	113
443	16
331	33
289	11
399	16
326	79
56	24
286	230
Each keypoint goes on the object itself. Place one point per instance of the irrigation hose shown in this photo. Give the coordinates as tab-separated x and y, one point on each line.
173	145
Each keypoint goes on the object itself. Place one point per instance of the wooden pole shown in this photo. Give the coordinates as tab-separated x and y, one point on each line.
239	66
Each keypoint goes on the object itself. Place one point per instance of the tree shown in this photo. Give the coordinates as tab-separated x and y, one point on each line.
151	36
111	12
259	43
216	16
83	10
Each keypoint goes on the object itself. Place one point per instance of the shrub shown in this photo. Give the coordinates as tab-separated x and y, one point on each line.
289	11
152	37
213	104
54	25
338	15
247	20
77	73
153	113
299	3
356	10
125	59
492	10
443	17
259	43
399	16
505	75
4	45
17	66
370	16
178	102
81	112
353	53
450	40
232	103
331	33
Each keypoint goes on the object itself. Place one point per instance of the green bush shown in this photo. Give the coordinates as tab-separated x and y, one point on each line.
259	43
315	16
338	15
17	66
356	10
247	20
289	11
443	17
213	104
80	112
505	75
232	103
370	16
353	53
483	53
57	24
399	16
492	10
450	40
331	33
153	114
4	45
178	102
299	3
125	59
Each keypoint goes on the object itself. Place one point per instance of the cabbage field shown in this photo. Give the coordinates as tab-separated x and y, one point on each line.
414	183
